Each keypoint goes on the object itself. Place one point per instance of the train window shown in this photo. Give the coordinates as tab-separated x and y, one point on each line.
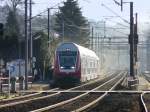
67	59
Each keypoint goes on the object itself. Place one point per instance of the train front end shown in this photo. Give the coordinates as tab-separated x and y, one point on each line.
67	70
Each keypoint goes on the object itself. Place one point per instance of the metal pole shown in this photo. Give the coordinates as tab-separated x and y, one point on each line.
136	42
136	22
92	38
103	44
31	39
9	83
119	57
48	27
131	41
101	51
63	32
104	29
26	45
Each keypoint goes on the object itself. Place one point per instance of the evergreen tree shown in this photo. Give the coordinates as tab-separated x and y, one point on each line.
75	25
12	27
9	44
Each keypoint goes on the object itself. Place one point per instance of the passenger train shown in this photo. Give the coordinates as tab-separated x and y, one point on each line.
74	64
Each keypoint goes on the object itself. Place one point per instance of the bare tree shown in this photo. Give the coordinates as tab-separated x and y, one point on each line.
12	4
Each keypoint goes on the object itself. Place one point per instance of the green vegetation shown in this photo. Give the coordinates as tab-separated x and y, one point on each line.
44	51
70	19
10	40
12	44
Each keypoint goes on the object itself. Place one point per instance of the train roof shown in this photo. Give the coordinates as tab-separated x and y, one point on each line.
83	51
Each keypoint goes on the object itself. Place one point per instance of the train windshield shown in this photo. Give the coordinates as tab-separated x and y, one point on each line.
67	59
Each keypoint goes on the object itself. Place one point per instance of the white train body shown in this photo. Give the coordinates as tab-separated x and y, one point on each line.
75	63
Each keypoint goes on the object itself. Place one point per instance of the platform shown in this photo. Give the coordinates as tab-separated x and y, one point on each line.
143	84
38	86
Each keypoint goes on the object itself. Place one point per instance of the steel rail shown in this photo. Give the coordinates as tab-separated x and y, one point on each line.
143	103
24	101
70	100
106	82
86	107
26	96
90	82
34	99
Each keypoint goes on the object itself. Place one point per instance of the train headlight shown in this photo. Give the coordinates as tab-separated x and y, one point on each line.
73	67
61	67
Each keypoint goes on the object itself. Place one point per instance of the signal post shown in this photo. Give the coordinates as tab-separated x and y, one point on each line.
133	41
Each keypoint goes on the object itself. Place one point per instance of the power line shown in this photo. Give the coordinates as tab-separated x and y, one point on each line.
88	1
120	32
115	29
73	24
47	9
126	21
120	24
109	27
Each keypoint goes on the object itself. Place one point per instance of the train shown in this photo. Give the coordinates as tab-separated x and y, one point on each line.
74	64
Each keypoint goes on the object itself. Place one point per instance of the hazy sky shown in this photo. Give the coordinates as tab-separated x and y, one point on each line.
93	9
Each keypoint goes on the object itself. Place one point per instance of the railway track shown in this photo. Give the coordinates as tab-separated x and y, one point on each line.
87	99
56	98
121	101
145	99
147	77
93	84
5	102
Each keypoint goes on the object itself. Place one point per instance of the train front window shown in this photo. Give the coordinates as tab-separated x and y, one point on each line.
67	59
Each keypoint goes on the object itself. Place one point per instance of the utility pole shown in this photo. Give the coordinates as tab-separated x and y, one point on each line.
48	27
135	42
92	37
63	30
31	39
131	42
133	80
104	29
102	49
26	45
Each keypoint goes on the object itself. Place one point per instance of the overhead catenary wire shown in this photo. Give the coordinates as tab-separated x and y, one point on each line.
70	28
46	10
120	24
88	1
126	21
72	23
114	29
76	26
110	27
121	32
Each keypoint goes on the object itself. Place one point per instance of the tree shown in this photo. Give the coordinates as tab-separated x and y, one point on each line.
12	4
44	54
70	19
12	26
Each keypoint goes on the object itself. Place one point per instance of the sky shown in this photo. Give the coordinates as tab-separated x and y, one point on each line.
93	9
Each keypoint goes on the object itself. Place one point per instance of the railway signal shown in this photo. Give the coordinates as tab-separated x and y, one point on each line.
133	41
